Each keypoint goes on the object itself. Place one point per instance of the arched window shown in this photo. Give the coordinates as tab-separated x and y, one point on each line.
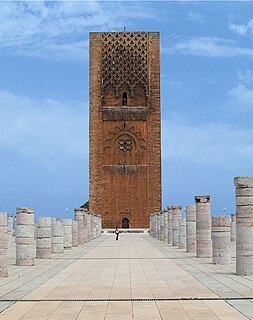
125	223
125	150
124	99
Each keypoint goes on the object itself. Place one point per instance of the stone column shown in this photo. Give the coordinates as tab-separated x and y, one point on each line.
14	223
153	219
89	220
165	213
67	233
161	225
96	226
191	228
155	225
24	237
203	227
233	235
221	240
74	233
150	225
79	219
3	245
170	228
181	234
158	226
244	225
86	226
9	229
176	215
57	237
93	225
43	238
99	225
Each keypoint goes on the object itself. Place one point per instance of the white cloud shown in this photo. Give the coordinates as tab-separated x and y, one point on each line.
208	143
46	130
197	17
175	83
243	97
209	47
59	29
242	29
53	49
246	76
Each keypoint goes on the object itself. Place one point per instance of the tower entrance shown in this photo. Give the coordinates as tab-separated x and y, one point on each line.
125	223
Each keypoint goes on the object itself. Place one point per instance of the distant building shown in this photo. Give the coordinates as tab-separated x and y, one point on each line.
125	137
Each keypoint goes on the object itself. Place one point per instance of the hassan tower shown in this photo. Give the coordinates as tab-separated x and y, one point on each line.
125	134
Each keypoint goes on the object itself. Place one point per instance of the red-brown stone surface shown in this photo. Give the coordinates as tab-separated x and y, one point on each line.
125	144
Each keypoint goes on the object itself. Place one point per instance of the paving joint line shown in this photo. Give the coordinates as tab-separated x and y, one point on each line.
130	299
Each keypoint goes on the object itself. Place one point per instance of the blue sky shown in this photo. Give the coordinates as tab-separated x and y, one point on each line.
206	98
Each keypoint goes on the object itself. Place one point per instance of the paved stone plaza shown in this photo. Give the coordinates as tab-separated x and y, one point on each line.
135	267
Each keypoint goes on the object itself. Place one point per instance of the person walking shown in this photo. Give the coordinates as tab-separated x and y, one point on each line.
117	233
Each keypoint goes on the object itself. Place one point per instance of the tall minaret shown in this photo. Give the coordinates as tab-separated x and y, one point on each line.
125	137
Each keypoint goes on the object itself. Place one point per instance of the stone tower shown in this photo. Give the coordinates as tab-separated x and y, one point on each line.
125	143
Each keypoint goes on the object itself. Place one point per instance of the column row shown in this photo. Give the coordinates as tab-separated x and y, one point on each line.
46	236
219	237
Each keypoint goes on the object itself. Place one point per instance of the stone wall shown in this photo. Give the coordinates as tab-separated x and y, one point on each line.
125	151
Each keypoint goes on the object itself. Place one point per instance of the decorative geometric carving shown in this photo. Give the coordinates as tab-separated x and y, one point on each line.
125	145
124	60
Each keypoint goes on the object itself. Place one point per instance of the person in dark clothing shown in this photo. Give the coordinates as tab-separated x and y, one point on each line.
117	233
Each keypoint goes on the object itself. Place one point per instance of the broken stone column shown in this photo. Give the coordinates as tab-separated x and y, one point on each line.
79	219
203	227
161	226
150	224
181	234
176	215
24	237
158	226
233	235
93	225
67	233
244	225
96	224
43	238
99	225
165	213
221	240
170	228
86	226
57	237
10	228
74	233
89	226
155	225
191	228
3	245
14	223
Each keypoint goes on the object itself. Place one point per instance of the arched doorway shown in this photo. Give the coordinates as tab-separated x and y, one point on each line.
125	223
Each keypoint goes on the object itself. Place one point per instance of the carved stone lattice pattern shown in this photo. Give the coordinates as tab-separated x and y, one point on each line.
125	130
124	60
125	145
